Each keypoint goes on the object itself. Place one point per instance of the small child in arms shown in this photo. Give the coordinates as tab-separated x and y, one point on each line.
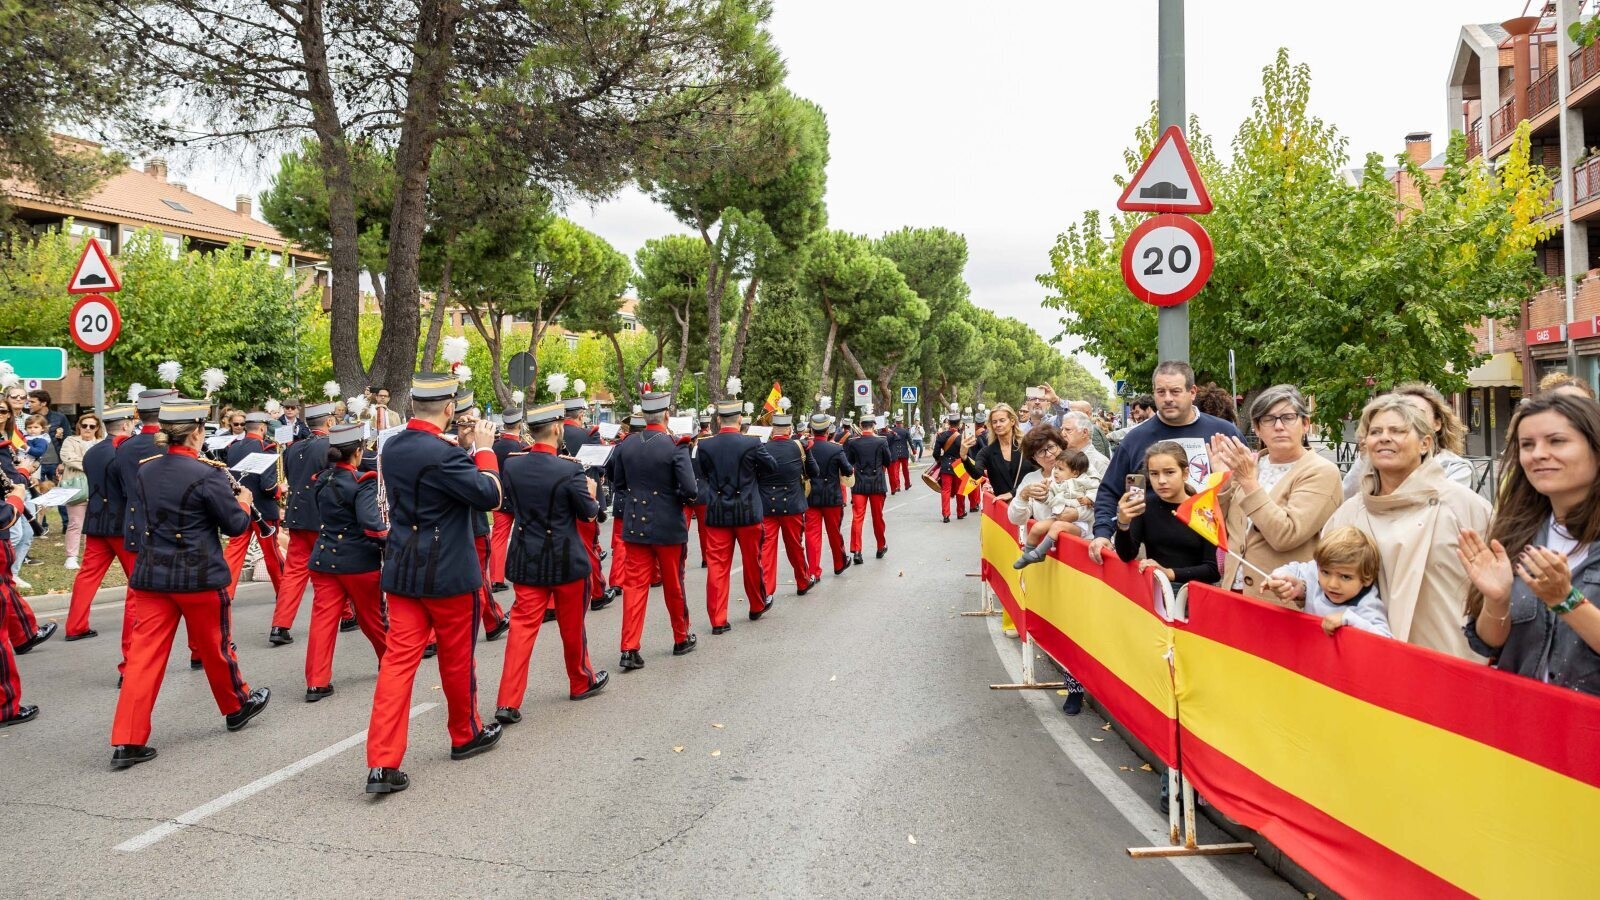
38	440
1339	584
1067	487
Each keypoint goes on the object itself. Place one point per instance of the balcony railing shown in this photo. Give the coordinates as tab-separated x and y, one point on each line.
1475	139
1502	122
1542	94
1585	64
1586	181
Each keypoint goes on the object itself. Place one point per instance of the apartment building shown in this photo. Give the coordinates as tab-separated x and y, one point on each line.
1529	69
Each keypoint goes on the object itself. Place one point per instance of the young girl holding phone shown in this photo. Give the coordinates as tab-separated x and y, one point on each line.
1147	516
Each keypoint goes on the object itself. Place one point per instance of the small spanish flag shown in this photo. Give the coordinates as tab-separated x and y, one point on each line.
965	485
771	405
1203	513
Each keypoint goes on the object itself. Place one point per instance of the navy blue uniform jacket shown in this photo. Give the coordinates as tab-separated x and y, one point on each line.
946	450
352	533
731	462
654	481
869	453
783	493
549	496
107	507
140	446
899	442
832	462
183	501
264	487
302	460
434	489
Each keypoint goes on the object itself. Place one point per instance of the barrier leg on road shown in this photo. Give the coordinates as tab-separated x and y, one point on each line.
986	593
1028	682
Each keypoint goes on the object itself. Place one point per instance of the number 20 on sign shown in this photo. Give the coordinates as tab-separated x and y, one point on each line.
1167	260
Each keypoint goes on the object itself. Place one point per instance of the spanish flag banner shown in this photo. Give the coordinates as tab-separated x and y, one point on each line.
1203	514
771	404
964	483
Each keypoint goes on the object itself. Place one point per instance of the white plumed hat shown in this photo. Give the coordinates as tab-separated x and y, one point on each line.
454	349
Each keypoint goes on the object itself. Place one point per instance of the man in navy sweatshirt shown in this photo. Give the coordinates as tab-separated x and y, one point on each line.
1176	419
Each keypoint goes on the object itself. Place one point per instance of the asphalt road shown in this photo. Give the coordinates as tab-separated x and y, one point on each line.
846	745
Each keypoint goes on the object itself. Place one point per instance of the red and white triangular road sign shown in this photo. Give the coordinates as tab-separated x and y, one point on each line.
94	274
1168	181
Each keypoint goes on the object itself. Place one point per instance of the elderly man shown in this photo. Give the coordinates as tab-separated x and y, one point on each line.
1077	429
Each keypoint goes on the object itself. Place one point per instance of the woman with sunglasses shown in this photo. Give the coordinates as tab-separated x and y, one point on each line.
72	475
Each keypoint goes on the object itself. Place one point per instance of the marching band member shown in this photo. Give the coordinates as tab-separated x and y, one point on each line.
574	434
12	710
869	454
730	462
899	438
431	577
654	484
345	561
302	460
946	451
139	446
180	574
102	524
783	504
697	510
508	442
495	621
266	488
825	504
547	563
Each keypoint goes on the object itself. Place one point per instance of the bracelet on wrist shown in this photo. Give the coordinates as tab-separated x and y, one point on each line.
1573	601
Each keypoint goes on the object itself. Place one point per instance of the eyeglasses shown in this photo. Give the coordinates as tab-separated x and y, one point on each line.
1284	420
1050	452
88	426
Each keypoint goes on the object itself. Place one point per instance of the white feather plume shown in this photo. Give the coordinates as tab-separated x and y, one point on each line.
463	373
517	397
823	403
273	407
556	382
638	410
579	387
6	369
784	403
134	390
213	379
955	407
734	385
660	376
454	349
749	407
330	389
169	371
9	379
356	406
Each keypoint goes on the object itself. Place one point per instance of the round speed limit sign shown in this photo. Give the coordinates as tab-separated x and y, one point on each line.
1167	260
96	322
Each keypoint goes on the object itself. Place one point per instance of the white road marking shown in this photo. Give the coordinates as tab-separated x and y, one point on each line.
1199	870
200	813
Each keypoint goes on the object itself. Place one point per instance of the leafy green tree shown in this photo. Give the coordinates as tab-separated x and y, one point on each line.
783	344
671	281
1320	282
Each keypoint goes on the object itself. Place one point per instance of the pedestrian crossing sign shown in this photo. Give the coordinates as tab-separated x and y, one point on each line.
908	395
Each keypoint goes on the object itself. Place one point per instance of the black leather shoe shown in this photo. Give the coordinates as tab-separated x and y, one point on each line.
721	629
847	564
801	591
499	587
631	660
882	551
386	781
947	520
131	755
601	679
550	615
252	707
195	663
43	634
685	647
1073	704
703	564
961	516
499	631
856	558
350	624
430	651
508	715
484	742
605	599
24	714
766	608
313	694
279	636
87	633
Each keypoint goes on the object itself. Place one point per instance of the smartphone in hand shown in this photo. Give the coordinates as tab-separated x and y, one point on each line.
1135	485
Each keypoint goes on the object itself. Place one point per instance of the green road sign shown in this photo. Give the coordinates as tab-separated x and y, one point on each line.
43	363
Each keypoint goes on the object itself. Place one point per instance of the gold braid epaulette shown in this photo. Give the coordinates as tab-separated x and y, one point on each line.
148	458
212	462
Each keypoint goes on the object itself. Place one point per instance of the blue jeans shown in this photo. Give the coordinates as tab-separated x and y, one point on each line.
22	540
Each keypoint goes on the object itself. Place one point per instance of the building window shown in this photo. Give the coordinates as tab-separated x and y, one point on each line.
176	205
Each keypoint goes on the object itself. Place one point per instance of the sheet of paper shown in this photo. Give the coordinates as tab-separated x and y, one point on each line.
256	463
218	441
608	430
681	425
390	432
761	431
284	434
55	496
590	455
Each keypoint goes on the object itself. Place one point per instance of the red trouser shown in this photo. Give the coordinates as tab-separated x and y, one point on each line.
894	476
330	594
10	679
793	530
21	624
690	514
499	539
98	552
589	533
947	489
292	586
904	467
644	562
527	614
453	622
492	612
721	541
619	549
818	519
271	554
860	503
206	616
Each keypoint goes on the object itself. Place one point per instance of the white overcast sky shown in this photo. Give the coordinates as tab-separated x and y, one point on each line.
1006	120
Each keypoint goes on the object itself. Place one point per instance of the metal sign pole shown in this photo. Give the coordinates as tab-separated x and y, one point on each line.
100	386
1172	322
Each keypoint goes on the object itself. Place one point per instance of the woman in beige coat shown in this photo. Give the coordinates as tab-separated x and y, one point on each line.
1276	503
1414	513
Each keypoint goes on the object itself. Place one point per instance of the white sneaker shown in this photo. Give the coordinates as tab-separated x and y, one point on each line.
21	583
72	562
